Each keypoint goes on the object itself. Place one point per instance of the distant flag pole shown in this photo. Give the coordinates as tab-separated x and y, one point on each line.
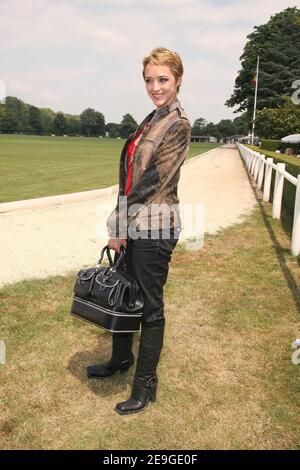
255	100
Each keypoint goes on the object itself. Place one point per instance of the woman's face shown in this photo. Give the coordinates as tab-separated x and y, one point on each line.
161	84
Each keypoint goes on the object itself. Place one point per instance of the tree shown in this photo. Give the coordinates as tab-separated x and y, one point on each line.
100	127
127	126
60	124
2	114
92	122
211	129
9	122
241	124
226	128
15	116
277	43
275	123
113	129
47	119
34	120
198	126
73	125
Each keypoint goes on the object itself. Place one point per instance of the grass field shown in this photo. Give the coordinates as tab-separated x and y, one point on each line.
34	166
226	376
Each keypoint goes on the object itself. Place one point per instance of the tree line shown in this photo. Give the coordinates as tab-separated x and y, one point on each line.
19	117
224	128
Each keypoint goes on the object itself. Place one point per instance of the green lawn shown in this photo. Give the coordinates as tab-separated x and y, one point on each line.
34	166
226	380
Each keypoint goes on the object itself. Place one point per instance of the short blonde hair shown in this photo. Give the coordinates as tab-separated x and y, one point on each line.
163	56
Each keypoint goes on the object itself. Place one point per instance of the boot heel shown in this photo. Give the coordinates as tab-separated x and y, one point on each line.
153	396
125	368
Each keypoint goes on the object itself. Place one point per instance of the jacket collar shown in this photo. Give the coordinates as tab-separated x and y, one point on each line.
161	112
156	115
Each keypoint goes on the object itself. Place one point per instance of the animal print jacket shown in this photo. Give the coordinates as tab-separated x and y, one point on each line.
152	202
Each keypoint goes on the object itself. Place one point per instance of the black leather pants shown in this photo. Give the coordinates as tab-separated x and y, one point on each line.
147	260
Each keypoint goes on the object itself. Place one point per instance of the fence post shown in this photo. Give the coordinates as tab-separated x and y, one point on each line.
254	160
261	171
256	167
250	161
268	179
296	224
278	189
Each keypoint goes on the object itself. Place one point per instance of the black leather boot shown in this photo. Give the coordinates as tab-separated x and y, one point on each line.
145	380
122	358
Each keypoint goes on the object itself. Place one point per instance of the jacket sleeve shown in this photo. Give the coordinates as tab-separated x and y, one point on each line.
162	167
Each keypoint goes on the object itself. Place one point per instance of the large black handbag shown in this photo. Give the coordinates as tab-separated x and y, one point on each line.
108	296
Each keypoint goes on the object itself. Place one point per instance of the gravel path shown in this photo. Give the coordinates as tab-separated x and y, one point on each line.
37	243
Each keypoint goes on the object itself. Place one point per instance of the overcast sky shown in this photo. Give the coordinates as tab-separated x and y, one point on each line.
72	54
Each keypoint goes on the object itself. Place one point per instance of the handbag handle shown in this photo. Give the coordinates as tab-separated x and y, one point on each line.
120	258
105	250
115	265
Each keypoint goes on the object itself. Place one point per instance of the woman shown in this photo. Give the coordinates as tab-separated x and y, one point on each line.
146	220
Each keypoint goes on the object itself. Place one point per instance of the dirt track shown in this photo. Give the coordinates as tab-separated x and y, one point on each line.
57	239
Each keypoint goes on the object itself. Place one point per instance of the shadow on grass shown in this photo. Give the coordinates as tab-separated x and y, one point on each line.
280	251
109	386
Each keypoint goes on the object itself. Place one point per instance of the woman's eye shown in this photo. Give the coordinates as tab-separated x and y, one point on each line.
162	80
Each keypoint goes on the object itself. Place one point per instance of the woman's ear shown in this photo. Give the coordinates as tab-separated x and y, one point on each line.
179	83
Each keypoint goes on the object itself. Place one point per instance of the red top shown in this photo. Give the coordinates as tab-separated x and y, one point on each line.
130	154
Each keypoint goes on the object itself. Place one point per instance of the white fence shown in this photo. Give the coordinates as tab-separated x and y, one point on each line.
261	168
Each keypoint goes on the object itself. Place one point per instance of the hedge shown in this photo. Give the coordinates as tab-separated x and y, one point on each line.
272	145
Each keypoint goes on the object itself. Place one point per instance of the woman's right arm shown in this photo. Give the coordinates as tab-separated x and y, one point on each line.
164	165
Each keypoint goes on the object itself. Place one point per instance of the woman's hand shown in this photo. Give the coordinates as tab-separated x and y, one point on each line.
116	243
